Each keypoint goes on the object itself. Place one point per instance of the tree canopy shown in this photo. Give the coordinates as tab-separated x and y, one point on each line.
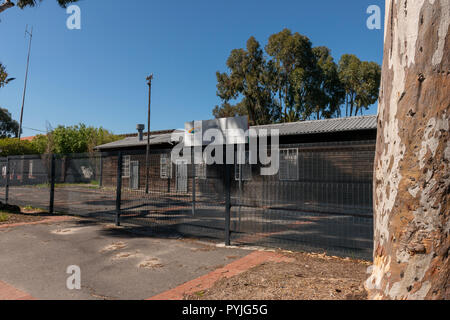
361	81
4	80
62	140
72	139
30	3
8	126
290	80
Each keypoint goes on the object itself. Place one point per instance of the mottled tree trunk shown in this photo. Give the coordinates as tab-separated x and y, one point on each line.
412	170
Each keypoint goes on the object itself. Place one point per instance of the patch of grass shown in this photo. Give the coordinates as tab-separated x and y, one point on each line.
89	185
4	217
42	185
33	209
199	293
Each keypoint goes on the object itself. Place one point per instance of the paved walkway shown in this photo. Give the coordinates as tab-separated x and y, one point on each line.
115	263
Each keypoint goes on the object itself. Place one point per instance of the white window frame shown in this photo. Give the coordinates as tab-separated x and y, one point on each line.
201	169
165	161
247	167
30	169
288	164
126	160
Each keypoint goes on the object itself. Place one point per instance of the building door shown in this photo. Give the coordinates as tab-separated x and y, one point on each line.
134	175
181	175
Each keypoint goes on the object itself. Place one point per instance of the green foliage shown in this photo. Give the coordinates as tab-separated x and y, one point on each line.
328	91
227	110
361	82
31	3
293	81
250	77
294	67
4	80
40	144
10	146
72	139
8	126
4	217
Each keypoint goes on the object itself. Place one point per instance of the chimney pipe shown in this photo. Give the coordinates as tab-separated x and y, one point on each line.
140	128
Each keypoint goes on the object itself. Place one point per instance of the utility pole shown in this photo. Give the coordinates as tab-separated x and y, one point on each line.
147	155
26	78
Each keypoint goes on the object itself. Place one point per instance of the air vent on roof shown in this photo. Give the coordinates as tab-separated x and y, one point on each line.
140	128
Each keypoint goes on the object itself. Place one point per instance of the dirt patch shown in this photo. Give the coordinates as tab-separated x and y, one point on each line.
203	247
304	277
126	255
151	263
66	231
114	246
11	218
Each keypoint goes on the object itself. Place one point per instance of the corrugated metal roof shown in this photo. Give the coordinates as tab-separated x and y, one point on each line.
285	129
134	142
323	126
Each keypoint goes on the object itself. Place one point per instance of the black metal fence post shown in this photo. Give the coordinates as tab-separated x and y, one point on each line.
52	184
100	182
193	181
118	188
7	181
227	204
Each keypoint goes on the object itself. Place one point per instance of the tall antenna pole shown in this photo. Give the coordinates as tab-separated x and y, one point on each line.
26	78
147	156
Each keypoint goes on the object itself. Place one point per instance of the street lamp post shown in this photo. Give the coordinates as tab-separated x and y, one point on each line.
147	155
19	133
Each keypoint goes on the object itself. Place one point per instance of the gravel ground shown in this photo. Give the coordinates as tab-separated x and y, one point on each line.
308	277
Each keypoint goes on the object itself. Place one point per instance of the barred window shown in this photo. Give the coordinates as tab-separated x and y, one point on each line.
243	169
126	166
288	165
165	170
200	170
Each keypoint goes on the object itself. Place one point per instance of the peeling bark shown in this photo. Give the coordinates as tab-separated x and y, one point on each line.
412	164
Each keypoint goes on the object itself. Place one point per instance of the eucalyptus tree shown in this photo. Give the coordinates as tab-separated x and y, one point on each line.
361	82
249	79
412	164
328	91
294	64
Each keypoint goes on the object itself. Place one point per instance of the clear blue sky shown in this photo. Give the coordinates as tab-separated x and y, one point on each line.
96	75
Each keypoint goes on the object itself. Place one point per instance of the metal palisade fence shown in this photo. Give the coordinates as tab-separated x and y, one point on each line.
320	200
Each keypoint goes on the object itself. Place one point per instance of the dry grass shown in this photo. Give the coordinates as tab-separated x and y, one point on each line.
10	218
308	277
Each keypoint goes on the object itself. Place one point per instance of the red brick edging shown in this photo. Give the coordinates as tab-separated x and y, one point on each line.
8	292
230	270
47	220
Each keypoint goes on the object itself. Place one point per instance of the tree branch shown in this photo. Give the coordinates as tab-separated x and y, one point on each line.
6	5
